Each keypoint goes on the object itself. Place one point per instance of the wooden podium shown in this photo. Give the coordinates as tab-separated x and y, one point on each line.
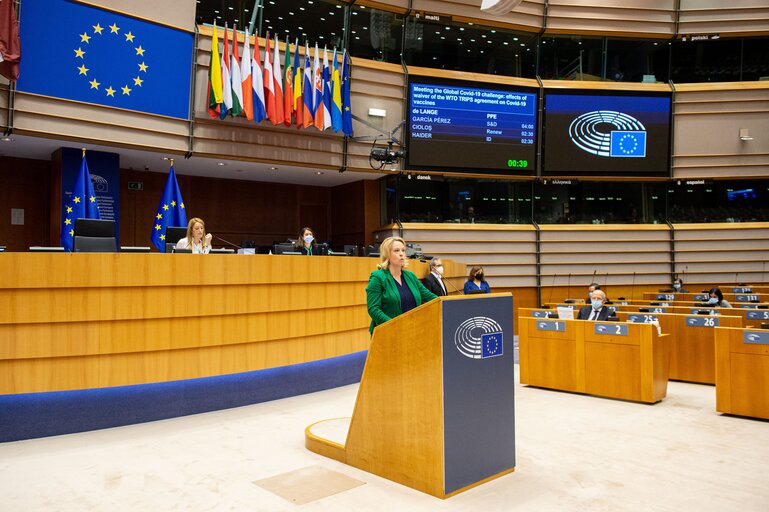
742	371
435	407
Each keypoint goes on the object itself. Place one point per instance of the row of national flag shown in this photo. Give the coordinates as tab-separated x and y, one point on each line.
314	94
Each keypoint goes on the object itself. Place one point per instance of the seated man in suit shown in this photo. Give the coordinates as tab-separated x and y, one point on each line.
434	280
597	310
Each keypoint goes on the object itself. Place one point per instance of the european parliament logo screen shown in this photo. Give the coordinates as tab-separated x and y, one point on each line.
606	135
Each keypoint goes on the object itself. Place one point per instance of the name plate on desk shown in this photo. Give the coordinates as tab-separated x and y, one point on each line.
611	329
696	311
665	296
702	296
657	310
622	303
746	298
539	313
551	326
742	290
757	315
756	337
701	321
642	319
749	306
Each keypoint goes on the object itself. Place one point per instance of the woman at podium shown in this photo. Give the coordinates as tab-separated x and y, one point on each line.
197	239
392	290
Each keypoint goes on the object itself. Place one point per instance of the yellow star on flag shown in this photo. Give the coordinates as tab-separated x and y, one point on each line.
95	84
157	227
143	67
181	206
110	91
83	70
140	51
79	53
76	200
97	29
162	237
69	209
71	232
114	29
129	37
126	90
160	216
138	81
173	203
165	207
92	199
84	37
67	222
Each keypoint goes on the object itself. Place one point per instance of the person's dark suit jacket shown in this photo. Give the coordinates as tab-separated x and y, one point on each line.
584	313
432	284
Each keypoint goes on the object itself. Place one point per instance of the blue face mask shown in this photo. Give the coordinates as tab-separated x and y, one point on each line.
308	239
713	300
597	304
677	286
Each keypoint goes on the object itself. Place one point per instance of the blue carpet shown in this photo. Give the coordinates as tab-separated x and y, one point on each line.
32	415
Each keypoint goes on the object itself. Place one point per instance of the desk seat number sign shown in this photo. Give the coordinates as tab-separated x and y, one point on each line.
611	329
757	315
756	337
543	325
702	321
642	319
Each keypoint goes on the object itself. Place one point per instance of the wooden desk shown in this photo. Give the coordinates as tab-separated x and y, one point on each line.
577	359
742	372
76	321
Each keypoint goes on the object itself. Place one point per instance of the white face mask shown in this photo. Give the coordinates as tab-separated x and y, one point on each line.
439	270
308	239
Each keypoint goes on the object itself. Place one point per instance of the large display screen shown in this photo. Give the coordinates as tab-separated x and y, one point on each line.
461	126
606	134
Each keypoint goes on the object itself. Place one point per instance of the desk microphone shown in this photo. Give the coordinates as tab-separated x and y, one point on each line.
550	299
452	285
632	287
568	286
226	241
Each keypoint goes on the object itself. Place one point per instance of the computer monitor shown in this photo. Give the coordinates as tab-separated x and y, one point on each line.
351	250
176	250
94	235
284	249
174	234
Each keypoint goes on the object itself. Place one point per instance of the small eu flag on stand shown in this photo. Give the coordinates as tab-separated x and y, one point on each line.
82	204
170	212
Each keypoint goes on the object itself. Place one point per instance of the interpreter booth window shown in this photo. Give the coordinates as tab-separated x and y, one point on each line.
755	58
375	34
698	200
239	12
711	60
634	60
598	202
571	58
419	198
439	42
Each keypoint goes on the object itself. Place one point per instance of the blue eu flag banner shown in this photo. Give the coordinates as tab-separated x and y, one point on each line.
491	345
628	144
171	212
83	53
82	204
346	103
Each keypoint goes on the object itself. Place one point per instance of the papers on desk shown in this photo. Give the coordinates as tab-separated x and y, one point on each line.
565	313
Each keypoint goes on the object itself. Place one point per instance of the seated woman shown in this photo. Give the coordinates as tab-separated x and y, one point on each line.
197	239
306	243
476	282
392	290
717	299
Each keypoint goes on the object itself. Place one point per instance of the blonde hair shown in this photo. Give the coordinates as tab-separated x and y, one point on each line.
190	225
384	251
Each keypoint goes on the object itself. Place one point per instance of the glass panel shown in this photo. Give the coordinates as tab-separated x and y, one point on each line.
598	203
719	201
755	58
375	34
630	60
452	45
706	61
571	58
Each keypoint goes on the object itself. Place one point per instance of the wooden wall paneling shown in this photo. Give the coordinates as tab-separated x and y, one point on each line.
24	185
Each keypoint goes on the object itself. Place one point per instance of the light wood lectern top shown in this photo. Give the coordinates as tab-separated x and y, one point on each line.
435	407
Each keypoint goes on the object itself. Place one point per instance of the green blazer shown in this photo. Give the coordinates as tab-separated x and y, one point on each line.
383	299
